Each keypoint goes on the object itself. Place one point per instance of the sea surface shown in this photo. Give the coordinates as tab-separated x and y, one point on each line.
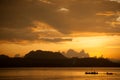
58	74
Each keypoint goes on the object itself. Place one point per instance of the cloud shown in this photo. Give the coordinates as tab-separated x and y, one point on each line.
118	19
114	24
116	0
107	13
41	32
17	18
56	40
11	34
25	36
63	10
46	1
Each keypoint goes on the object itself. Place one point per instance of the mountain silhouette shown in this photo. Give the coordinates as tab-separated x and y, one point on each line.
71	53
39	54
40	58
4	57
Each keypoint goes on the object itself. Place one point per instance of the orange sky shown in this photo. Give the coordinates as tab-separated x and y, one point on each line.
59	25
108	46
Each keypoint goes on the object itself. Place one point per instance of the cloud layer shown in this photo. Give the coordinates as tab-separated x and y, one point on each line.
65	16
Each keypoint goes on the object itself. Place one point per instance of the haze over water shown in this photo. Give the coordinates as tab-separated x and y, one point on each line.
58	74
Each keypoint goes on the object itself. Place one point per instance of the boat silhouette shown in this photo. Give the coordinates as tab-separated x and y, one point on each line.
91	72
109	73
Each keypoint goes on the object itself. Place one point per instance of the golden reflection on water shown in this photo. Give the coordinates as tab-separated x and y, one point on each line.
58	74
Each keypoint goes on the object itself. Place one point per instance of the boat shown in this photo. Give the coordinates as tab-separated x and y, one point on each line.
109	73
91	72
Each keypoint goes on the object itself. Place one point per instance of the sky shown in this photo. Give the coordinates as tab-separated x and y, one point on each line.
59	25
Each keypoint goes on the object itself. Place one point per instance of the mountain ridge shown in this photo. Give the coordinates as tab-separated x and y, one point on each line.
41	58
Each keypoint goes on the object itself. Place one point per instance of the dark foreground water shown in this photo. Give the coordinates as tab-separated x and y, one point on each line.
58	74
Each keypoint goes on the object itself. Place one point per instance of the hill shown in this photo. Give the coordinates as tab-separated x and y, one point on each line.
41	58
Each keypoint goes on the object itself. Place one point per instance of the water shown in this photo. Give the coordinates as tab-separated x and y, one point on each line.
58	74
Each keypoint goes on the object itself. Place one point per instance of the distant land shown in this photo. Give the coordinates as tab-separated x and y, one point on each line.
40	58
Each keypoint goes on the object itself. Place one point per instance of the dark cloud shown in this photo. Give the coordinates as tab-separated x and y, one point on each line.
11	34
22	13
17	16
82	16
24	36
55	40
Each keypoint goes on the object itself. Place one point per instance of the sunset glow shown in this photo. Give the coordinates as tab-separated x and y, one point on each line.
59	25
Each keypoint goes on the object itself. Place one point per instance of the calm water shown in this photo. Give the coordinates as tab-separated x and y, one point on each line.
58	74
